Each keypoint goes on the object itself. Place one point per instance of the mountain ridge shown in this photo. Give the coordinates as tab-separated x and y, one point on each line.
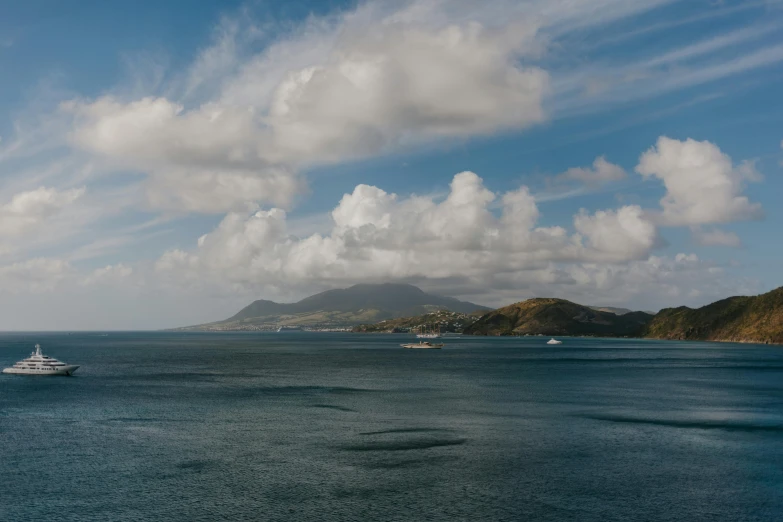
384	296
390	307
361	303
611	309
552	316
752	319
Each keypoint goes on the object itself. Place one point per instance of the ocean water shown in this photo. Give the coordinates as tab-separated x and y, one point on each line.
305	426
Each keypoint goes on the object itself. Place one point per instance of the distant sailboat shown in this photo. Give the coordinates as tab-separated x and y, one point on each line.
428	334
554	341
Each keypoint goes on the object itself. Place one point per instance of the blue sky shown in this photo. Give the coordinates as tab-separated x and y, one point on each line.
608	152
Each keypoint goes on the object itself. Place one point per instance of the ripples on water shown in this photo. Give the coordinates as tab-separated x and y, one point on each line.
299	426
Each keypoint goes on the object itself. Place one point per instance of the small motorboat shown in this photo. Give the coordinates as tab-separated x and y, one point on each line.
554	341
423	345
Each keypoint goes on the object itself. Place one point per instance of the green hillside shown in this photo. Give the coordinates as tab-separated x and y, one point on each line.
454	322
547	316
756	319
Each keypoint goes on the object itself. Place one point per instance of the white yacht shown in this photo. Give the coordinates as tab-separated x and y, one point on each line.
40	364
554	341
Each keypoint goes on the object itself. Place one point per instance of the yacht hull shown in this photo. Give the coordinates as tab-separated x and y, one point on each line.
60	371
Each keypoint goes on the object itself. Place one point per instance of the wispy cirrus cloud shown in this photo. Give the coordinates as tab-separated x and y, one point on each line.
602	83
356	84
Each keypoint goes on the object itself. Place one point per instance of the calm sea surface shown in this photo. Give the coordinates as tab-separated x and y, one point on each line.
298	426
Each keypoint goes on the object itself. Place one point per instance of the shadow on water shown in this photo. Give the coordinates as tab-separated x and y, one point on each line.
403	445
332	407
409	463
121	420
195	466
405	430
692	424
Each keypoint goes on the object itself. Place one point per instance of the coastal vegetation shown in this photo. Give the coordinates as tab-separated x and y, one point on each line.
445	320
757	319
548	316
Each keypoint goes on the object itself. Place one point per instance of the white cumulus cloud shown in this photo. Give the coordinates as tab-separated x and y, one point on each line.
716	237
622	234
601	172
379	236
703	185
30	209
34	275
199	161
393	84
381	83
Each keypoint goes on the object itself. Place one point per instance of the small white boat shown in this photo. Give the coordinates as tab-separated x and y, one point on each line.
423	345
554	341
289	329
40	364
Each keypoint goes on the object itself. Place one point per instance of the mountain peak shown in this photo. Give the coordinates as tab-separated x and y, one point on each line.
375	286
362	302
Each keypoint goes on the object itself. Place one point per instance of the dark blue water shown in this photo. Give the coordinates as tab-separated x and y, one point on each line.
299	426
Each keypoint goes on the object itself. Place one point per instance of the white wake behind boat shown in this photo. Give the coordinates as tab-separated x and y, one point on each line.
554	341
40	364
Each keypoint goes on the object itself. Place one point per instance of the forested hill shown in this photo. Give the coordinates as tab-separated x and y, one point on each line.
548	316
757	319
